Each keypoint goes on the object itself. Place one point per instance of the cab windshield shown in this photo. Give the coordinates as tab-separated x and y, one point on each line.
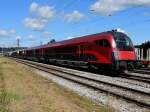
123	42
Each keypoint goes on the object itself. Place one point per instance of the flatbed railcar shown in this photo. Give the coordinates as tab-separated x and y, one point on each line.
142	63
108	50
146	63
143	56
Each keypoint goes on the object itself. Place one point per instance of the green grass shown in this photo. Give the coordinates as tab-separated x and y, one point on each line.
5	99
78	100
5	96
3	109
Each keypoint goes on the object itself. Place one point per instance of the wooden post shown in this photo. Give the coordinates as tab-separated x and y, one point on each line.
147	58
141	54
149	54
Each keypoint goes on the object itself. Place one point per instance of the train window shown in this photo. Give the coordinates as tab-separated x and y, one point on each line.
68	49
102	43
123	42
106	43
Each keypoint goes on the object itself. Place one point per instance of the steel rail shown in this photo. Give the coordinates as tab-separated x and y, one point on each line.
142	71
136	78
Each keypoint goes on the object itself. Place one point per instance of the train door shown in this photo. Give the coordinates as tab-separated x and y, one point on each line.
104	50
82	49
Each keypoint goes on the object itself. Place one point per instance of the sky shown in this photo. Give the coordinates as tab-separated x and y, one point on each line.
36	22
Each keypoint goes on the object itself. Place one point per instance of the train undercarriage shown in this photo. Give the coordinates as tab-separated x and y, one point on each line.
117	66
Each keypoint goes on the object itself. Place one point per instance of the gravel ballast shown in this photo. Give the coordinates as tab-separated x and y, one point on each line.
100	97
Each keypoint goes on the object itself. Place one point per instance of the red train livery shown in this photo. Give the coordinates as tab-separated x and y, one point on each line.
112	49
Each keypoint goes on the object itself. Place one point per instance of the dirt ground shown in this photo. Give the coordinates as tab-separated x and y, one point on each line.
22	90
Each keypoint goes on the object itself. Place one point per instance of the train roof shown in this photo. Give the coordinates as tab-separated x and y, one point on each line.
72	41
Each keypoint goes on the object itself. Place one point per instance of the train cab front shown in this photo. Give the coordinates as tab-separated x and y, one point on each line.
123	55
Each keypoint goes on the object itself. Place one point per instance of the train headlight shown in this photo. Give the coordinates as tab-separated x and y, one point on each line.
113	44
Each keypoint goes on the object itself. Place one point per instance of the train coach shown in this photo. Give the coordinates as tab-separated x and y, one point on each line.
108	50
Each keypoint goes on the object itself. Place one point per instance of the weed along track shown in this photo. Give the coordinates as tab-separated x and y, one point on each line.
3	94
23	90
129	93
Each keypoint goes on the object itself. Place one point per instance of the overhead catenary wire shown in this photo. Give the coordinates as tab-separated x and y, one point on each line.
114	15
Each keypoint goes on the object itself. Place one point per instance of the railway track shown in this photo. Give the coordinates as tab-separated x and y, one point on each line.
146	68
135	95
138	77
142	71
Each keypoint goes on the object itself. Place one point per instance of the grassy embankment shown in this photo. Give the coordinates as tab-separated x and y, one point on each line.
22	90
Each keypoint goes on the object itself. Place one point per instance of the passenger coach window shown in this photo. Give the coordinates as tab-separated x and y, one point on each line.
102	43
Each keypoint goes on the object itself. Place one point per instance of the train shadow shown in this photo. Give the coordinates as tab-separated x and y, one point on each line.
105	72
90	70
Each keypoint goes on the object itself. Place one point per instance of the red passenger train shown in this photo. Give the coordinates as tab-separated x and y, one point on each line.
112	49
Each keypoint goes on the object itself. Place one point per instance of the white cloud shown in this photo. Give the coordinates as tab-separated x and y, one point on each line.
35	24
45	11
41	17
70	37
33	7
109	7
12	31
32	37
75	16
6	33
46	34
18	37
146	14
123	31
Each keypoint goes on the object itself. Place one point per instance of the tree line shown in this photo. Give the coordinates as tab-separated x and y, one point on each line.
9	49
